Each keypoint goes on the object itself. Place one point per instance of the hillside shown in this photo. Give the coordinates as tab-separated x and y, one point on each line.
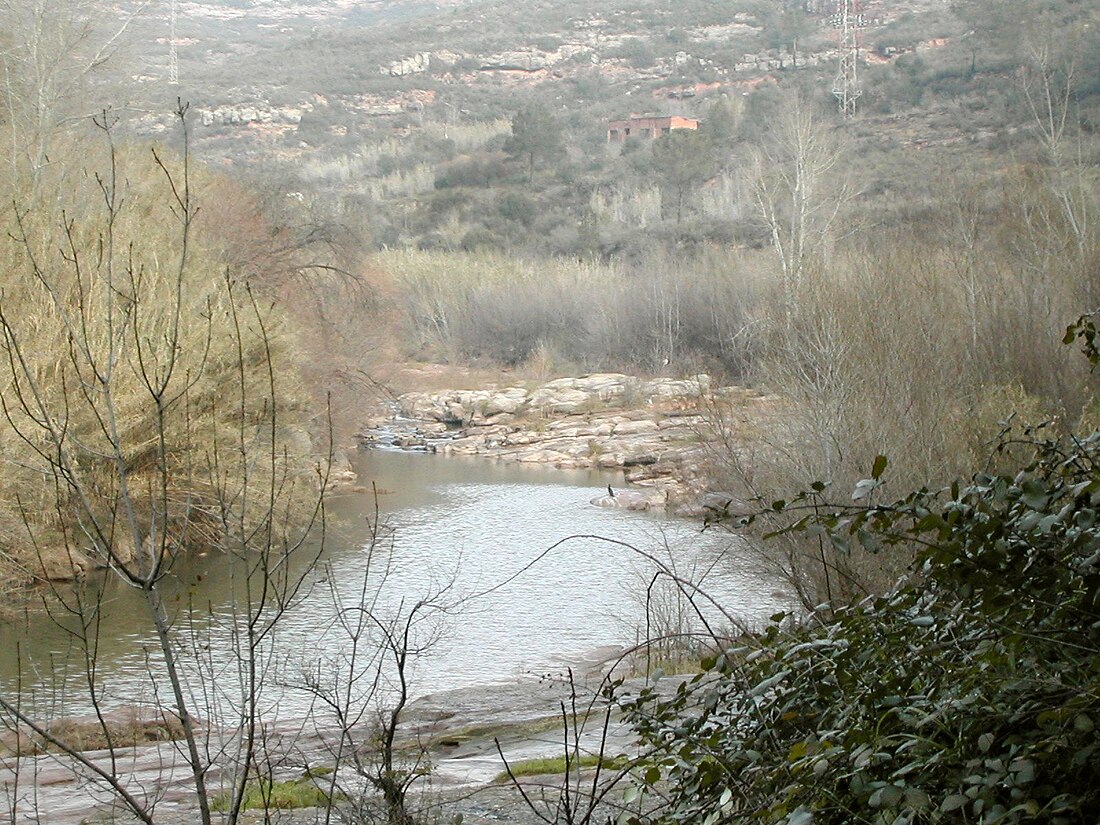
396	114
365	67
395	119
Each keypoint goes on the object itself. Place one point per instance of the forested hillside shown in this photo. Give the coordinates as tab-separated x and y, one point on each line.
404	123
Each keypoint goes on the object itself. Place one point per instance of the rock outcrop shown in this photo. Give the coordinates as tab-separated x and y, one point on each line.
654	431
244	115
417	64
563	396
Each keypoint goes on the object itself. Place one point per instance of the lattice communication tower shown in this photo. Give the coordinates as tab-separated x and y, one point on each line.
849	23
173	54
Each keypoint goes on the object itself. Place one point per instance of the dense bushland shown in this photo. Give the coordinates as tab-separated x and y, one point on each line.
587	316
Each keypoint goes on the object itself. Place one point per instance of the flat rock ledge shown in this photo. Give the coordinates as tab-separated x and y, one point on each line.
655	431
459	730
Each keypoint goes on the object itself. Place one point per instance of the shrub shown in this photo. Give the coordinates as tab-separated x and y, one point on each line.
483	169
970	694
278	796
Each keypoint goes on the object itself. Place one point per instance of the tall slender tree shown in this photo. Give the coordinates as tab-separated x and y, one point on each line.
683	160
536	136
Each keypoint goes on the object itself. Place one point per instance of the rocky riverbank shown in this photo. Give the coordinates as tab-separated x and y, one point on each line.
657	432
456	732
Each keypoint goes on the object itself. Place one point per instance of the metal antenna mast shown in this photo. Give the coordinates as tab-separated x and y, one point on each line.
173	55
849	23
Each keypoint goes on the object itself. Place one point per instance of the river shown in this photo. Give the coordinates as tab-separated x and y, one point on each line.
480	531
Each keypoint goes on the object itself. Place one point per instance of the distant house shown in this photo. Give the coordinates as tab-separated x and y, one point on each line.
646	127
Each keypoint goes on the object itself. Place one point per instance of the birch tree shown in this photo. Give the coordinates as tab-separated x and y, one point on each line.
800	190
51	51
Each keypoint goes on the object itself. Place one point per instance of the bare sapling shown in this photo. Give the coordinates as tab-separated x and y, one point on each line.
154	423
361	691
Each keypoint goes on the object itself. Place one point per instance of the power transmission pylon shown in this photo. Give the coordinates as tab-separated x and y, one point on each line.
849	23
173	54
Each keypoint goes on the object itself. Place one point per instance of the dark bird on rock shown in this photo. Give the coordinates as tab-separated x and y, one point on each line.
610	492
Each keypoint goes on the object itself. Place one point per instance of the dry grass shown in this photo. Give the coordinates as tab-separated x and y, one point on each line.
125	728
134	376
905	349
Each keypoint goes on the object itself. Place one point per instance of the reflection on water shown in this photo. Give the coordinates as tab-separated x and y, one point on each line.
479	530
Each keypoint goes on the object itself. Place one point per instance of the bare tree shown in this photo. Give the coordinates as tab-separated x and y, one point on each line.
1059	217
160	426
801	191
578	798
52	50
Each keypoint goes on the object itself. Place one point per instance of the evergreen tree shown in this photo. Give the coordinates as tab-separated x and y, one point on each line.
684	159
536	135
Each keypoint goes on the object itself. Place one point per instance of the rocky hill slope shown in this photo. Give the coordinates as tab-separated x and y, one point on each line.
397	113
258	69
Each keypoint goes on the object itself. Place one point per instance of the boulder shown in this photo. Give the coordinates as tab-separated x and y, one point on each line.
639	500
418	405
671	388
455	411
609	461
608	386
559	384
417	64
573	432
526	60
509	401
643	427
558	401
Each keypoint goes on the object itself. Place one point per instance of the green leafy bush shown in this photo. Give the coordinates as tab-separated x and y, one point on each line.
970	694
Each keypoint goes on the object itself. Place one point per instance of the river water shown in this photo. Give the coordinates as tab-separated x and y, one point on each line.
532	576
